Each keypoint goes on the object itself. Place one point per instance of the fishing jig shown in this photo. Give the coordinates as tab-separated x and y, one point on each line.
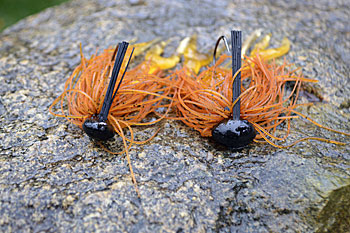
211	102
93	101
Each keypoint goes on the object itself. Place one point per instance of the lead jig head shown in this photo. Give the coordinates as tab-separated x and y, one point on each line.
97	129
234	133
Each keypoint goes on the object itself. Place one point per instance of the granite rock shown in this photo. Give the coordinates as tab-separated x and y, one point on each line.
54	179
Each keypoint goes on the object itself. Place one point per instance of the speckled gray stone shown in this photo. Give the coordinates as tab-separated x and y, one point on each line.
54	179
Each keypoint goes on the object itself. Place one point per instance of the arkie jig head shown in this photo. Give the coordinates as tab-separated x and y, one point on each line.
234	133
98	127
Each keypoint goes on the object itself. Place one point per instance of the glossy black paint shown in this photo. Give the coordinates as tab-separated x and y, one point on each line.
234	134
98	130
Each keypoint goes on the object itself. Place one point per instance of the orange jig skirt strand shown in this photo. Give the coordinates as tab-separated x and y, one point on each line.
203	101
137	94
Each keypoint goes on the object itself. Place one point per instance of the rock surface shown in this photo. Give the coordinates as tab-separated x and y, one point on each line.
54	179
